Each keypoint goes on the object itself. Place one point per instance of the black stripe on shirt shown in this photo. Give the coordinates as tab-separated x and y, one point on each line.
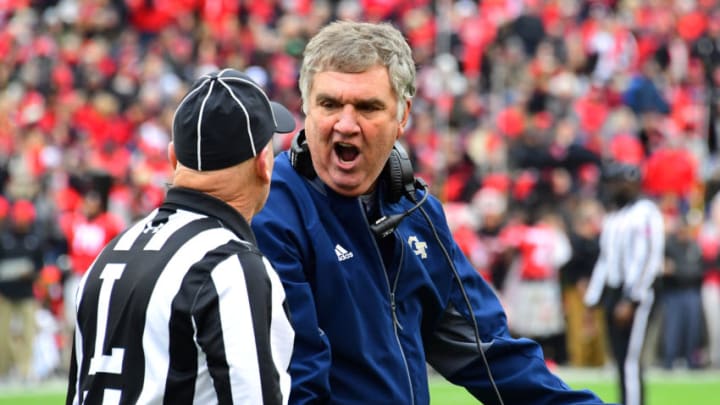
259	289
197	298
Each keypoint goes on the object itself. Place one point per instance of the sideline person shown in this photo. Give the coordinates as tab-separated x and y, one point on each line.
375	283
632	245
182	307
22	244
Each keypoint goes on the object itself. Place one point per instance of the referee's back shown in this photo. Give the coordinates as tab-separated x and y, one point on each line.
182	308
175	310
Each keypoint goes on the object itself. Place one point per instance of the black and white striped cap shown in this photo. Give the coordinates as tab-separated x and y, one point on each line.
225	119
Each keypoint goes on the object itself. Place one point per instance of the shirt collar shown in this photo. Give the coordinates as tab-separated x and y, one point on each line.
193	200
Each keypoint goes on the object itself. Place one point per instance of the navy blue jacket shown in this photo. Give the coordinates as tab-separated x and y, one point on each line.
364	329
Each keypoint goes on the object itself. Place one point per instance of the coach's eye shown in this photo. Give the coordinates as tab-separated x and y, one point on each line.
328	104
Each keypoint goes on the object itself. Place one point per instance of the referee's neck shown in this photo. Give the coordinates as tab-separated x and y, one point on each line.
233	185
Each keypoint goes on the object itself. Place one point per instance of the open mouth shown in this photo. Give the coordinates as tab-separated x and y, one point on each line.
346	152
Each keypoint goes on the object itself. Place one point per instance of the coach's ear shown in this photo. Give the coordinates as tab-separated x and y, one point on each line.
171	155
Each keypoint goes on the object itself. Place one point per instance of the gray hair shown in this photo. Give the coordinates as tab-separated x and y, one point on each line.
354	47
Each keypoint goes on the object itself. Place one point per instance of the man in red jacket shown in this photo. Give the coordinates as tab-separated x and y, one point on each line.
86	230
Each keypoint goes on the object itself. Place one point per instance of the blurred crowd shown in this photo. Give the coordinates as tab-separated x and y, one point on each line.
520	106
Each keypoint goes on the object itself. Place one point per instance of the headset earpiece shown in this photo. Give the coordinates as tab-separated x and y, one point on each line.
399	174
300	158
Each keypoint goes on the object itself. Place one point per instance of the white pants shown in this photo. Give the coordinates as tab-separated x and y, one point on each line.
69	291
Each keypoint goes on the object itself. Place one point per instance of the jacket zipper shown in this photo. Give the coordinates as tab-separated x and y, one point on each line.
393	304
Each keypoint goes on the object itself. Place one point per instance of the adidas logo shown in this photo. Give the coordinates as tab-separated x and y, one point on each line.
342	253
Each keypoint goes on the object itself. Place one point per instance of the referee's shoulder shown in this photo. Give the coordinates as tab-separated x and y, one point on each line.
243	247
248	253
256	268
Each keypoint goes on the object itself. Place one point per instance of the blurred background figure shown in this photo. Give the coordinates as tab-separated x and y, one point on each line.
21	259
87	229
532	287
681	280
490	206
586	340
710	290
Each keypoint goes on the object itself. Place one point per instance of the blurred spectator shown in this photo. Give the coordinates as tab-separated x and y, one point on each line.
528	27
710	244
713	105
642	94
586	340
46	352
489	205
463	225
610	43
462	178
671	169
532	287
706	47
682	318
87	229
21	258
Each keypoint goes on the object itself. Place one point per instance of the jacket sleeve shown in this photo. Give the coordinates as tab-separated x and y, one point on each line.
281	236
517	366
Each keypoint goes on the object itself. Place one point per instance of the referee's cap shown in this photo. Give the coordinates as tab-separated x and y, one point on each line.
225	119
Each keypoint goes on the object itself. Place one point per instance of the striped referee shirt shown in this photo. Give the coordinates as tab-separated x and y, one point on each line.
182	308
632	245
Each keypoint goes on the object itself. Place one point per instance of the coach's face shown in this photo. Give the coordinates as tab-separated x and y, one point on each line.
351	126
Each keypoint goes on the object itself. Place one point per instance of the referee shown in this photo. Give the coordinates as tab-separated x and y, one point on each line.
182	308
631	256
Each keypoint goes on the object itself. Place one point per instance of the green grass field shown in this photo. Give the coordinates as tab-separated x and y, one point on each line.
702	388
659	393
662	388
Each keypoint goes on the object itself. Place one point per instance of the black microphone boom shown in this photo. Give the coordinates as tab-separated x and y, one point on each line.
386	225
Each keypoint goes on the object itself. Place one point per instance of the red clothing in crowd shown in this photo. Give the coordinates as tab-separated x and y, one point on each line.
593	110
626	148
670	171
691	25
112	158
536	245
510	122
86	237
474	249
155	15
476	34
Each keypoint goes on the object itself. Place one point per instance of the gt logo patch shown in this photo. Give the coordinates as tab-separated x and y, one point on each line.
418	246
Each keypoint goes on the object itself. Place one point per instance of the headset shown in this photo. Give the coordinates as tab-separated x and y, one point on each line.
399	176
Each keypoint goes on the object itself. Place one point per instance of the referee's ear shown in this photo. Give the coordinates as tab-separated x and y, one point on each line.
171	155
264	163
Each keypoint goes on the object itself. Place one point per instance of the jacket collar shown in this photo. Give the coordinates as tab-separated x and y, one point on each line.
196	201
